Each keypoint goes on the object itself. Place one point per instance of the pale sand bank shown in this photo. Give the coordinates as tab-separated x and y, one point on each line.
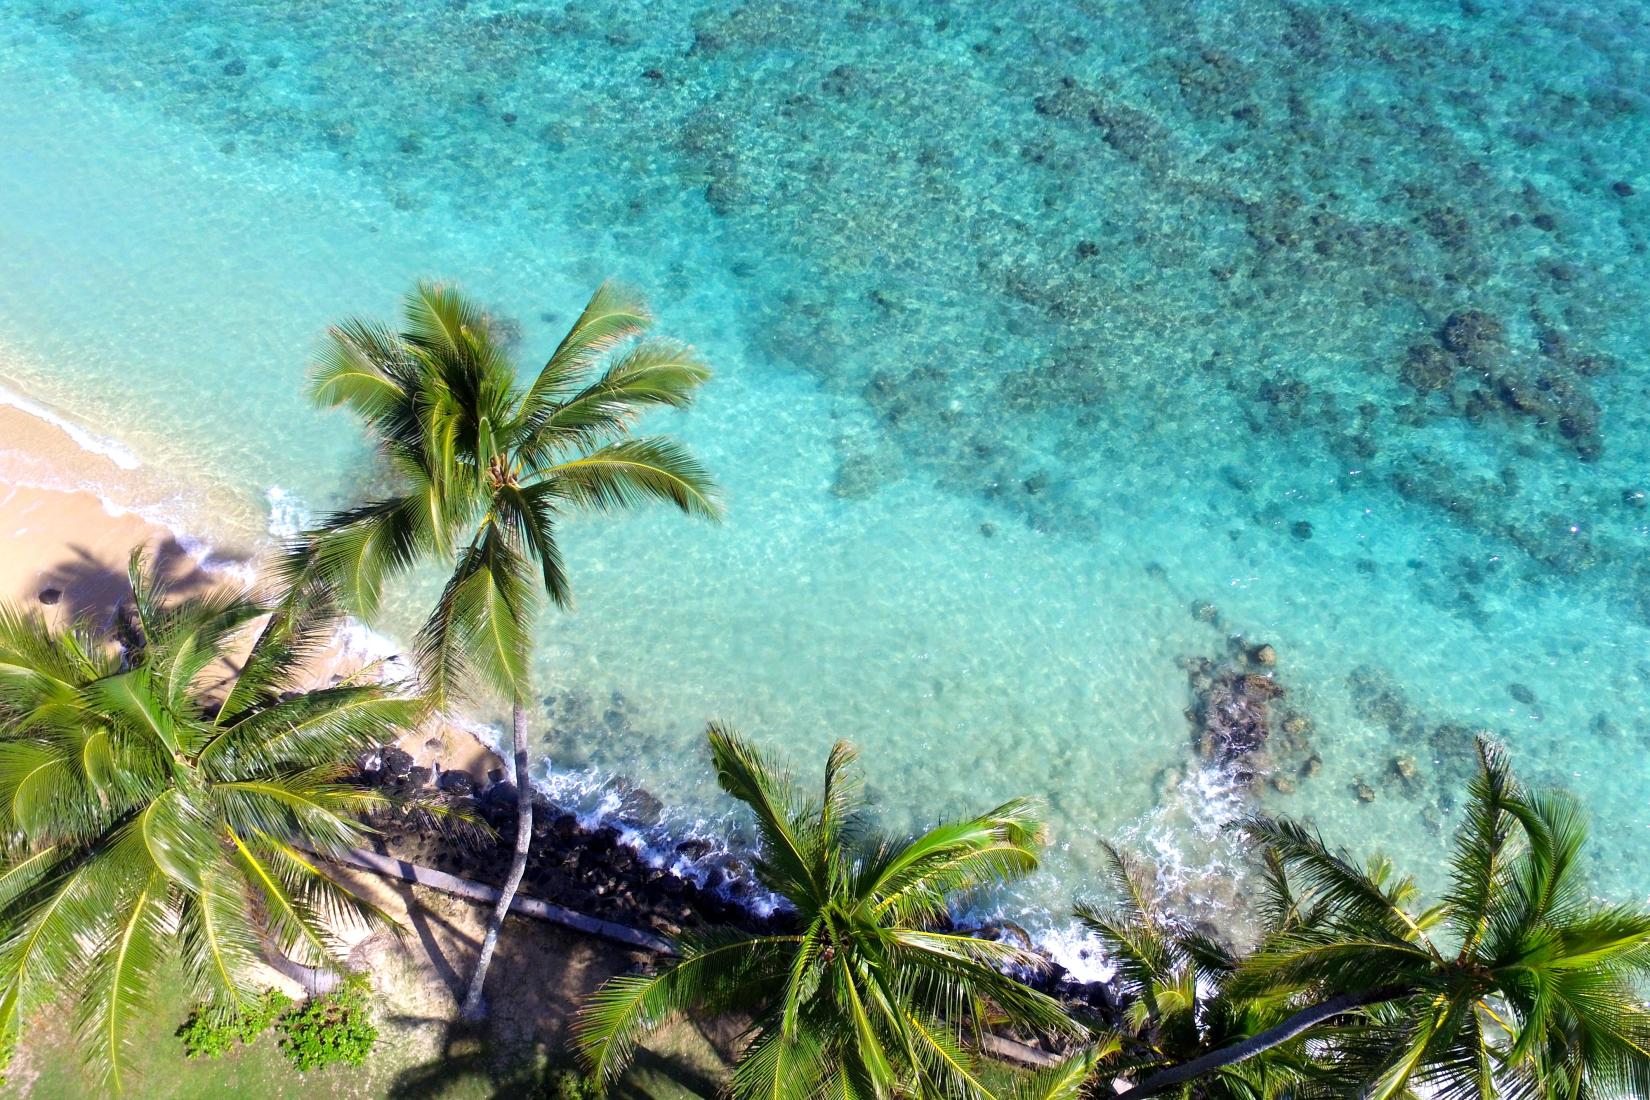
69	519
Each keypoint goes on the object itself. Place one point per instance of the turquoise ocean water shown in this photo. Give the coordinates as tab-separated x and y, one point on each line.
1038	326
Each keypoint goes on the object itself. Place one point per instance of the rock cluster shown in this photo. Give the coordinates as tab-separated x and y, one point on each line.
592	871
586	869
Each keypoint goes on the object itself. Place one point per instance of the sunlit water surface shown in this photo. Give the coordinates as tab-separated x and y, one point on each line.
1037	326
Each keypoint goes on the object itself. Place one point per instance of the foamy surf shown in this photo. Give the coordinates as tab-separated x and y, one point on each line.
84	438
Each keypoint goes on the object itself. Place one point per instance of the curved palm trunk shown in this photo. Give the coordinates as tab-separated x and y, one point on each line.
317	981
473	1008
1226	1056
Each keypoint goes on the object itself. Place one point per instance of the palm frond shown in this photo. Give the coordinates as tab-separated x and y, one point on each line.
480	633
613	314
652	374
790	856
714	971
623	475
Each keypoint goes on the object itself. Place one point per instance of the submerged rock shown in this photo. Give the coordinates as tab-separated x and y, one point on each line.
1472	333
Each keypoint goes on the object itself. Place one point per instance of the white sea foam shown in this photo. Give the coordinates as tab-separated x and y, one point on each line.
84	438
288	515
1070	945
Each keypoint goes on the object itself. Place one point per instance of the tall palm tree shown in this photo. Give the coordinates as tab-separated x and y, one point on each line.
154	803
870	996
485	465
1517	984
1173	979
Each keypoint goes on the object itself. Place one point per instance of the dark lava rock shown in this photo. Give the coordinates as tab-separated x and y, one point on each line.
1232	716
419	776
499	799
695	848
456	782
858	475
396	762
50	596
640	808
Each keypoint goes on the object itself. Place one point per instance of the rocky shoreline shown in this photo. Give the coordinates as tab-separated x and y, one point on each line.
594	870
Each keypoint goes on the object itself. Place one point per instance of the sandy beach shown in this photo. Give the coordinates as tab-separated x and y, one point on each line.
65	551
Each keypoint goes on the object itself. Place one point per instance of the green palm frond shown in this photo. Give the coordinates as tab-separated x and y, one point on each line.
789	860
652	374
914	881
714	971
356	550
1353	895
479	631
631	472
364	367
153	812
613	315
873	997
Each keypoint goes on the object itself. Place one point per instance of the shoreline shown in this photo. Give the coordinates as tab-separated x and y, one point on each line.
74	504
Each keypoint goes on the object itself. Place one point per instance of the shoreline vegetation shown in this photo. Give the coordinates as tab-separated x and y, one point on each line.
206	744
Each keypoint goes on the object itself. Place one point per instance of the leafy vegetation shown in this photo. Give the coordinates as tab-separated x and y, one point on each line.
1516	984
1173	980
870	996
334	1028
157	801
485	466
211	1031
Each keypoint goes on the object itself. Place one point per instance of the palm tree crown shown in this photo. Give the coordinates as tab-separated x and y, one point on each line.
1173	978
154	804
869	997
1518	984
485	466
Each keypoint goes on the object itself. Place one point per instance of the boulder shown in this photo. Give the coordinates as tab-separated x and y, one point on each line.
456	782
396	762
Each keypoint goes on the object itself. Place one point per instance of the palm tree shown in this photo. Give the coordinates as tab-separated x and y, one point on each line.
870	996
485	468
156	803
1517	984
1173	979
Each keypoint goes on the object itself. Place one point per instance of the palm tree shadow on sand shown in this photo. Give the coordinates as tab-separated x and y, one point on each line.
84	586
467	1057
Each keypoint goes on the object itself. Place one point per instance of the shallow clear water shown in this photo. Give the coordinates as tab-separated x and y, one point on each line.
1037	326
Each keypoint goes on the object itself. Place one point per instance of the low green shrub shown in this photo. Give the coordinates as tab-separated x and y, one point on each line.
327	1030
570	1084
212	1032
